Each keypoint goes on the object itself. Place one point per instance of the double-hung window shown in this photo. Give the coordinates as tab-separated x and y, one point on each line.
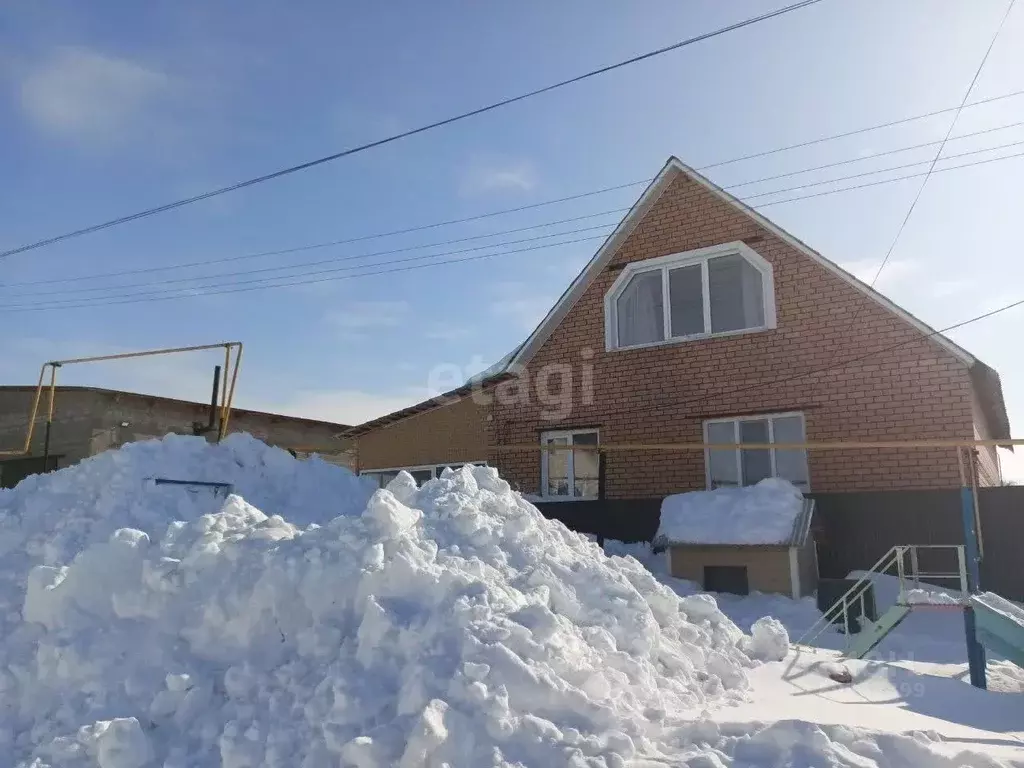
746	466
724	289
568	473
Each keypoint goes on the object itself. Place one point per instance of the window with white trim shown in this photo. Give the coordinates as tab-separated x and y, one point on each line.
737	467
725	289
420	473
568	473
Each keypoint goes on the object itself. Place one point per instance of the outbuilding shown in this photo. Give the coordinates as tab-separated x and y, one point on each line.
742	540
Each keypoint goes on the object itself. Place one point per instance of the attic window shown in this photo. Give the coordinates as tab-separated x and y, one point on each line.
722	290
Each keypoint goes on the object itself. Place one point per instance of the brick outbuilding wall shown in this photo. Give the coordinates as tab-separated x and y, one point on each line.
91	420
453	433
664	393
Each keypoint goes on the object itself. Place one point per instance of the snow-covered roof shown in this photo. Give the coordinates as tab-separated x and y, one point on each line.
771	513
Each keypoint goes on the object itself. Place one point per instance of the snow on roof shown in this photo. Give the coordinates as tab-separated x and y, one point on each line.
768	513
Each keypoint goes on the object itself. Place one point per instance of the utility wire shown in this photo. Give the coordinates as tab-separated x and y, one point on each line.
942	146
132	298
542	204
320	245
861	175
935	160
858	131
348	257
873	155
406	134
888	181
263	283
316	273
348	241
810	372
834	365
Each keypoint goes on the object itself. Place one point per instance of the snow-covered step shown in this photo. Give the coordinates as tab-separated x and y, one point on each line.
872	633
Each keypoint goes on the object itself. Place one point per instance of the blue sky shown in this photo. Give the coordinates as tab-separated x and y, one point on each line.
109	107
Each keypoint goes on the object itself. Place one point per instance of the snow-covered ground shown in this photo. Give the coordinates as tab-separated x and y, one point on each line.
914	682
448	625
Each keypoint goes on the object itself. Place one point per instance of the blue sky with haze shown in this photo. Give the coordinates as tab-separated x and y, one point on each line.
109	107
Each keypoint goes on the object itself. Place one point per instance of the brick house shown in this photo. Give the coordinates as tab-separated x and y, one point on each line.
699	320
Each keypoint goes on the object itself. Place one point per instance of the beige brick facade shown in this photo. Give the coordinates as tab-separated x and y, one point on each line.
453	433
898	385
663	394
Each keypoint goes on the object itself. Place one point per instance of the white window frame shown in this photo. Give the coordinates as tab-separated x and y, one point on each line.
544	437
666	263
735	420
435	468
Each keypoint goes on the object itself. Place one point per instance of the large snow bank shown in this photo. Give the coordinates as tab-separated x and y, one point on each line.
764	513
445	625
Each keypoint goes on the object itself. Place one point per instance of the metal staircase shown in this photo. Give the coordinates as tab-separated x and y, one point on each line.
849	612
873	632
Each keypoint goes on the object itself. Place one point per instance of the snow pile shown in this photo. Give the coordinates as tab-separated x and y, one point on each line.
445	625
769	640
764	513
920	596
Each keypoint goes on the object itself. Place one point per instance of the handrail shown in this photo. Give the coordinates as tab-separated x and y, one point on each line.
840	605
53	365
896	556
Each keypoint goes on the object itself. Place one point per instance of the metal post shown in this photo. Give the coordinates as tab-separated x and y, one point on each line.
224	393
975	650
34	412
49	418
902	576
213	399
231	391
972	454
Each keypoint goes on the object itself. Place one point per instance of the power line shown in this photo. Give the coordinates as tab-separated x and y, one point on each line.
352	257
132	298
942	146
858	131
873	155
852	176
935	160
412	132
347	241
833	366
180	293
555	201
883	350
314	246
889	181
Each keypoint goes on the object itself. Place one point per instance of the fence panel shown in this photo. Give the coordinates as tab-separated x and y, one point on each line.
853	530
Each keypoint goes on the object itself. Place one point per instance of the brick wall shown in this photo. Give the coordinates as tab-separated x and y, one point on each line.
663	394
450	433
77	420
87	422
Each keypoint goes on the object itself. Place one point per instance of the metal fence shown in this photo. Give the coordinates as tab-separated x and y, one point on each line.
852	530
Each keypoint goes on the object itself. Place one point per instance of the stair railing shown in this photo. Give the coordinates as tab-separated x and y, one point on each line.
854	595
894	558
